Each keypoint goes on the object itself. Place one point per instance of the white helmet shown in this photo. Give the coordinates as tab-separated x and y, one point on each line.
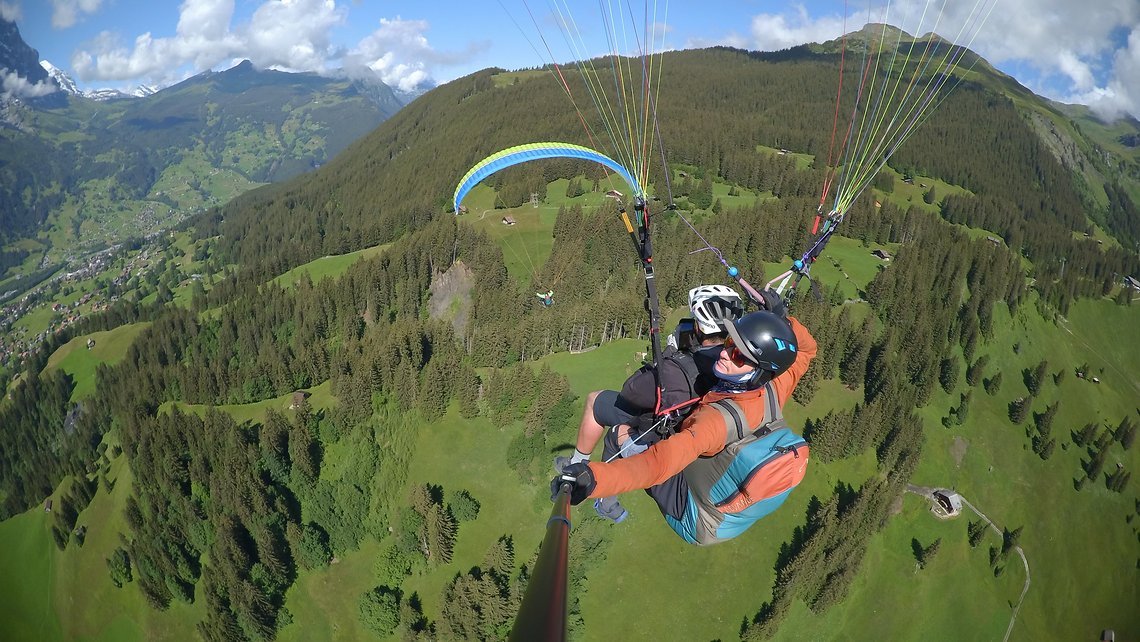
712	305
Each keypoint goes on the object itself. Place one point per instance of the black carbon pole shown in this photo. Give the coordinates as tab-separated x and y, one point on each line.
542	615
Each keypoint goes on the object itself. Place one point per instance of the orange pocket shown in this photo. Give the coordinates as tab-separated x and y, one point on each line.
768	480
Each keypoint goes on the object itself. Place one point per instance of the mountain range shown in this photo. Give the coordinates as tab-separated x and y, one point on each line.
81	170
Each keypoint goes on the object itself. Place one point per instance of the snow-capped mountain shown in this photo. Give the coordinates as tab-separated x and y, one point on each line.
68	85
103	95
65	82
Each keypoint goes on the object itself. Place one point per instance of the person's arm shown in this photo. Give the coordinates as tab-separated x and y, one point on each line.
700	434
805	351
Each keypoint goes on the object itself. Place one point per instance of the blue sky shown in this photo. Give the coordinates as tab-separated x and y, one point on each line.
1085	51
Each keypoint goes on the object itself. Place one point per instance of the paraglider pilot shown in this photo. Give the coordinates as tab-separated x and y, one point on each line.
547	297
764	347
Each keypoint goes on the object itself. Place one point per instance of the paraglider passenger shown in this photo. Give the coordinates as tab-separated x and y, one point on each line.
763	347
547	297
686	371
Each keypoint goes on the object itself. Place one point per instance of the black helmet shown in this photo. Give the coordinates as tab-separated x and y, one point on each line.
766	340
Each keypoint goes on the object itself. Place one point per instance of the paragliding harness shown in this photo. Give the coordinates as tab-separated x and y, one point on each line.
751	477
664	421
642	243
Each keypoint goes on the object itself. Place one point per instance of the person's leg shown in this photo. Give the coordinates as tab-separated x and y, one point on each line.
589	430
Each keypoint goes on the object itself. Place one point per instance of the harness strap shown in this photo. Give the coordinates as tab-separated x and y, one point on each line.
733	416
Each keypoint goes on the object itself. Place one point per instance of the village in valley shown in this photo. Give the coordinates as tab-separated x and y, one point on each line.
86	286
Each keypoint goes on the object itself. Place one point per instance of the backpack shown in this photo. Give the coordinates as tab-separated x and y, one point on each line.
747	480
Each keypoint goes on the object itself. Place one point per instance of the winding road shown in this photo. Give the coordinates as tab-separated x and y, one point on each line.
929	494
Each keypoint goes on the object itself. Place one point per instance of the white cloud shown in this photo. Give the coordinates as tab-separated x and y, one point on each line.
771	32
11	11
401	55
295	35
65	13
1063	40
292	34
1121	94
13	85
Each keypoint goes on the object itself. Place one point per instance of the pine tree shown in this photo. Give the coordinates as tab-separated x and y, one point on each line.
993	384
976	371
976	531
949	370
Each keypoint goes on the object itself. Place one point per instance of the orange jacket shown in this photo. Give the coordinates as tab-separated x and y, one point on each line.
702	433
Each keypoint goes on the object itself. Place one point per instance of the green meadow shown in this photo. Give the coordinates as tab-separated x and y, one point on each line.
75	359
327	266
1081	550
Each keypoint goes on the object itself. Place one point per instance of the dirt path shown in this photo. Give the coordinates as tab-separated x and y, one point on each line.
929	494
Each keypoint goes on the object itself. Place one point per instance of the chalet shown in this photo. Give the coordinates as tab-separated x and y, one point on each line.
299	398
90	343
47	505
462	209
683	174
614	194
1132	282
993	239
509	220
878	204
882	254
947	503
1095	379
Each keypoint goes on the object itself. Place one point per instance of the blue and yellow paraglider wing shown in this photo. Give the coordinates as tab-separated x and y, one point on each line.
536	151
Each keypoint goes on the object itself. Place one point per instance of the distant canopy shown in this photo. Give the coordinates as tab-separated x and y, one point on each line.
536	151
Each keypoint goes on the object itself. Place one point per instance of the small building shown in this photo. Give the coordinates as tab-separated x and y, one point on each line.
947	503
882	254
47	505
509	220
1132	282
683	174
614	194
90	343
299	398
462	209
993	239
1096	379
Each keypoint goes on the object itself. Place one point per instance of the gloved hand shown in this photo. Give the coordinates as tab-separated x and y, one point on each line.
774	303
581	478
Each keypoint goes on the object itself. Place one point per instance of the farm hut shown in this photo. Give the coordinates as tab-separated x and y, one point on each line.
299	398
462	209
613	193
1108	636
47	505
947	503
882	254
90	343
1132	282
509	220
993	239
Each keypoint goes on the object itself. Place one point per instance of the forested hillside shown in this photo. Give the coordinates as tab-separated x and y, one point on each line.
226	525
97	172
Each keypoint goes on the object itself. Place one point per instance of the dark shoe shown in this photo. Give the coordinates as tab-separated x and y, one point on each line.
560	463
611	509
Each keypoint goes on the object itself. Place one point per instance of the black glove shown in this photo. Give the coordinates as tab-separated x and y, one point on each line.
774	303
581	478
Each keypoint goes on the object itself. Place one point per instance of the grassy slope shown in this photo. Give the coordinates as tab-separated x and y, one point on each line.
321	399
327	266
27	569
75	359
1081	552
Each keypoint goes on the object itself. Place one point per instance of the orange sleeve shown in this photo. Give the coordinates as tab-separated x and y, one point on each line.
701	433
805	352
